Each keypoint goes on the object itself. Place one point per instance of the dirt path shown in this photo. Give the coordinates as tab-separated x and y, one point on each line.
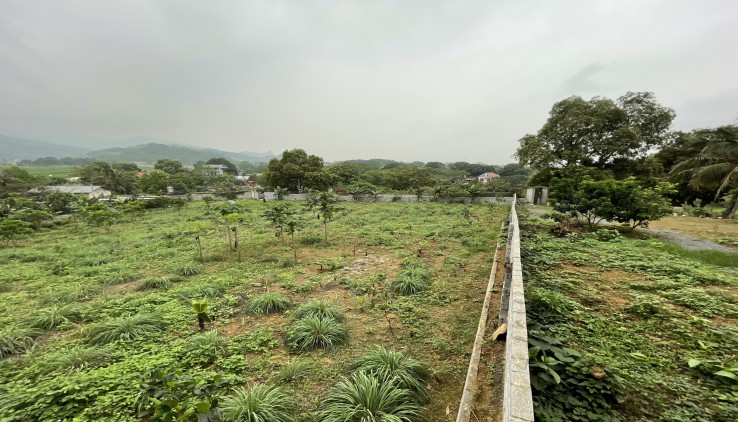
686	241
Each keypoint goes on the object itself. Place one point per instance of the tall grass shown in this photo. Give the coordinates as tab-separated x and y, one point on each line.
268	303
394	365
312	332
125	328
319	309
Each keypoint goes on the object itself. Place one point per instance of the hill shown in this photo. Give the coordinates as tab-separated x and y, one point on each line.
13	149
151	152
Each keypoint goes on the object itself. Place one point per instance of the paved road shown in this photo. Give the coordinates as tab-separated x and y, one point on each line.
686	241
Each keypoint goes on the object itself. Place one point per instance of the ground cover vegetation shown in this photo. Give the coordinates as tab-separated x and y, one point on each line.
628	329
168	313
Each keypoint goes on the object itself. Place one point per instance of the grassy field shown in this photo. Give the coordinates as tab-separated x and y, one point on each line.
634	330
61	291
724	232
55	171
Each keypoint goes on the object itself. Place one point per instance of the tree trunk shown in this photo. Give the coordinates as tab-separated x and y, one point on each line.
730	208
230	243
325	230
201	322
235	242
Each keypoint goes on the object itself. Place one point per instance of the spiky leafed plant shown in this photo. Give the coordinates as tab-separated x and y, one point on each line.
209	344
53	317
154	283
75	359
365	398
391	364
260	403
321	309
17	341
412	279
125	328
294	371
268	303
312	332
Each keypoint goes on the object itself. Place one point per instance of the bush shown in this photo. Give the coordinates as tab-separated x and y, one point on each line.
311	332
75	359
320	309
260	403
17	341
268	303
412	279
393	365
606	235
125	328
187	269
209	344
294	371
363	397
154	283
53	317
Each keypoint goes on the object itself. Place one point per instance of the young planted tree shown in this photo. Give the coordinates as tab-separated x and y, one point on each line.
201	309
291	225
12	230
277	216
327	205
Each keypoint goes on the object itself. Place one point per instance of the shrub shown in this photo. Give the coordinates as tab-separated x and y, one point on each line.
320	309
187	269
412	279
268	303
260	403
125	328
294	371
154	283
606	235
17	341
391	364
312	332
363	397
75	359
53	317
209	344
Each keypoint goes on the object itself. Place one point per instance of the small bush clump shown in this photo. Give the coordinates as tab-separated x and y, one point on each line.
413	278
312	332
268	303
209	344
362	397
391	364
17	341
320	309
53	317
125	328
294	371
154	283
187	269
260	403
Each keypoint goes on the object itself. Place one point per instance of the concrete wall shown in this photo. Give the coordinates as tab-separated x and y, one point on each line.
518	398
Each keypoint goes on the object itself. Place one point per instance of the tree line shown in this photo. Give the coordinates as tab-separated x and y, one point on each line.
608	159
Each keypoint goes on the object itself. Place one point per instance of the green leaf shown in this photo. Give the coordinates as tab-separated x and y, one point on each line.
694	362
727	374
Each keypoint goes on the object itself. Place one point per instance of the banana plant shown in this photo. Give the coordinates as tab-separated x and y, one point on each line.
201	308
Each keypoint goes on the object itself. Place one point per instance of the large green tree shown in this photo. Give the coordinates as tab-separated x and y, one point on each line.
169	166
297	170
715	166
14	179
595	133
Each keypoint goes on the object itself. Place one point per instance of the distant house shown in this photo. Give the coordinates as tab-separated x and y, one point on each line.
486	177
90	191
213	169
246	180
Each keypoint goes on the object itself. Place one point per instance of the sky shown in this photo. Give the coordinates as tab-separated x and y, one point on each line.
407	80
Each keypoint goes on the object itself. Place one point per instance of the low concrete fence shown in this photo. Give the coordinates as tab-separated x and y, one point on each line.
517	402
518	398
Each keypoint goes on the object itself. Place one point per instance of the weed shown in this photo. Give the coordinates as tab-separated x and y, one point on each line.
294	371
17	341
154	283
54	317
208	344
394	365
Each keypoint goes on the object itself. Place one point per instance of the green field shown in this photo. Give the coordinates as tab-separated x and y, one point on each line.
55	171
87	315
636	330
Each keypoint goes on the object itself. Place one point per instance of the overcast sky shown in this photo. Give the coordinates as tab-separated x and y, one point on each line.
408	80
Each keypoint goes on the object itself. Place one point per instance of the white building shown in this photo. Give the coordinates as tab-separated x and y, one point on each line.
91	191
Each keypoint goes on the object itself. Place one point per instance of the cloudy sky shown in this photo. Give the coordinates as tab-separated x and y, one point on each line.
408	80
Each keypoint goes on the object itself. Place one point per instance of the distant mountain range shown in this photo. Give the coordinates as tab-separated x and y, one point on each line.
14	149
139	150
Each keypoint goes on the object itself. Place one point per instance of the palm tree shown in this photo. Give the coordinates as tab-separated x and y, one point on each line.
715	166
